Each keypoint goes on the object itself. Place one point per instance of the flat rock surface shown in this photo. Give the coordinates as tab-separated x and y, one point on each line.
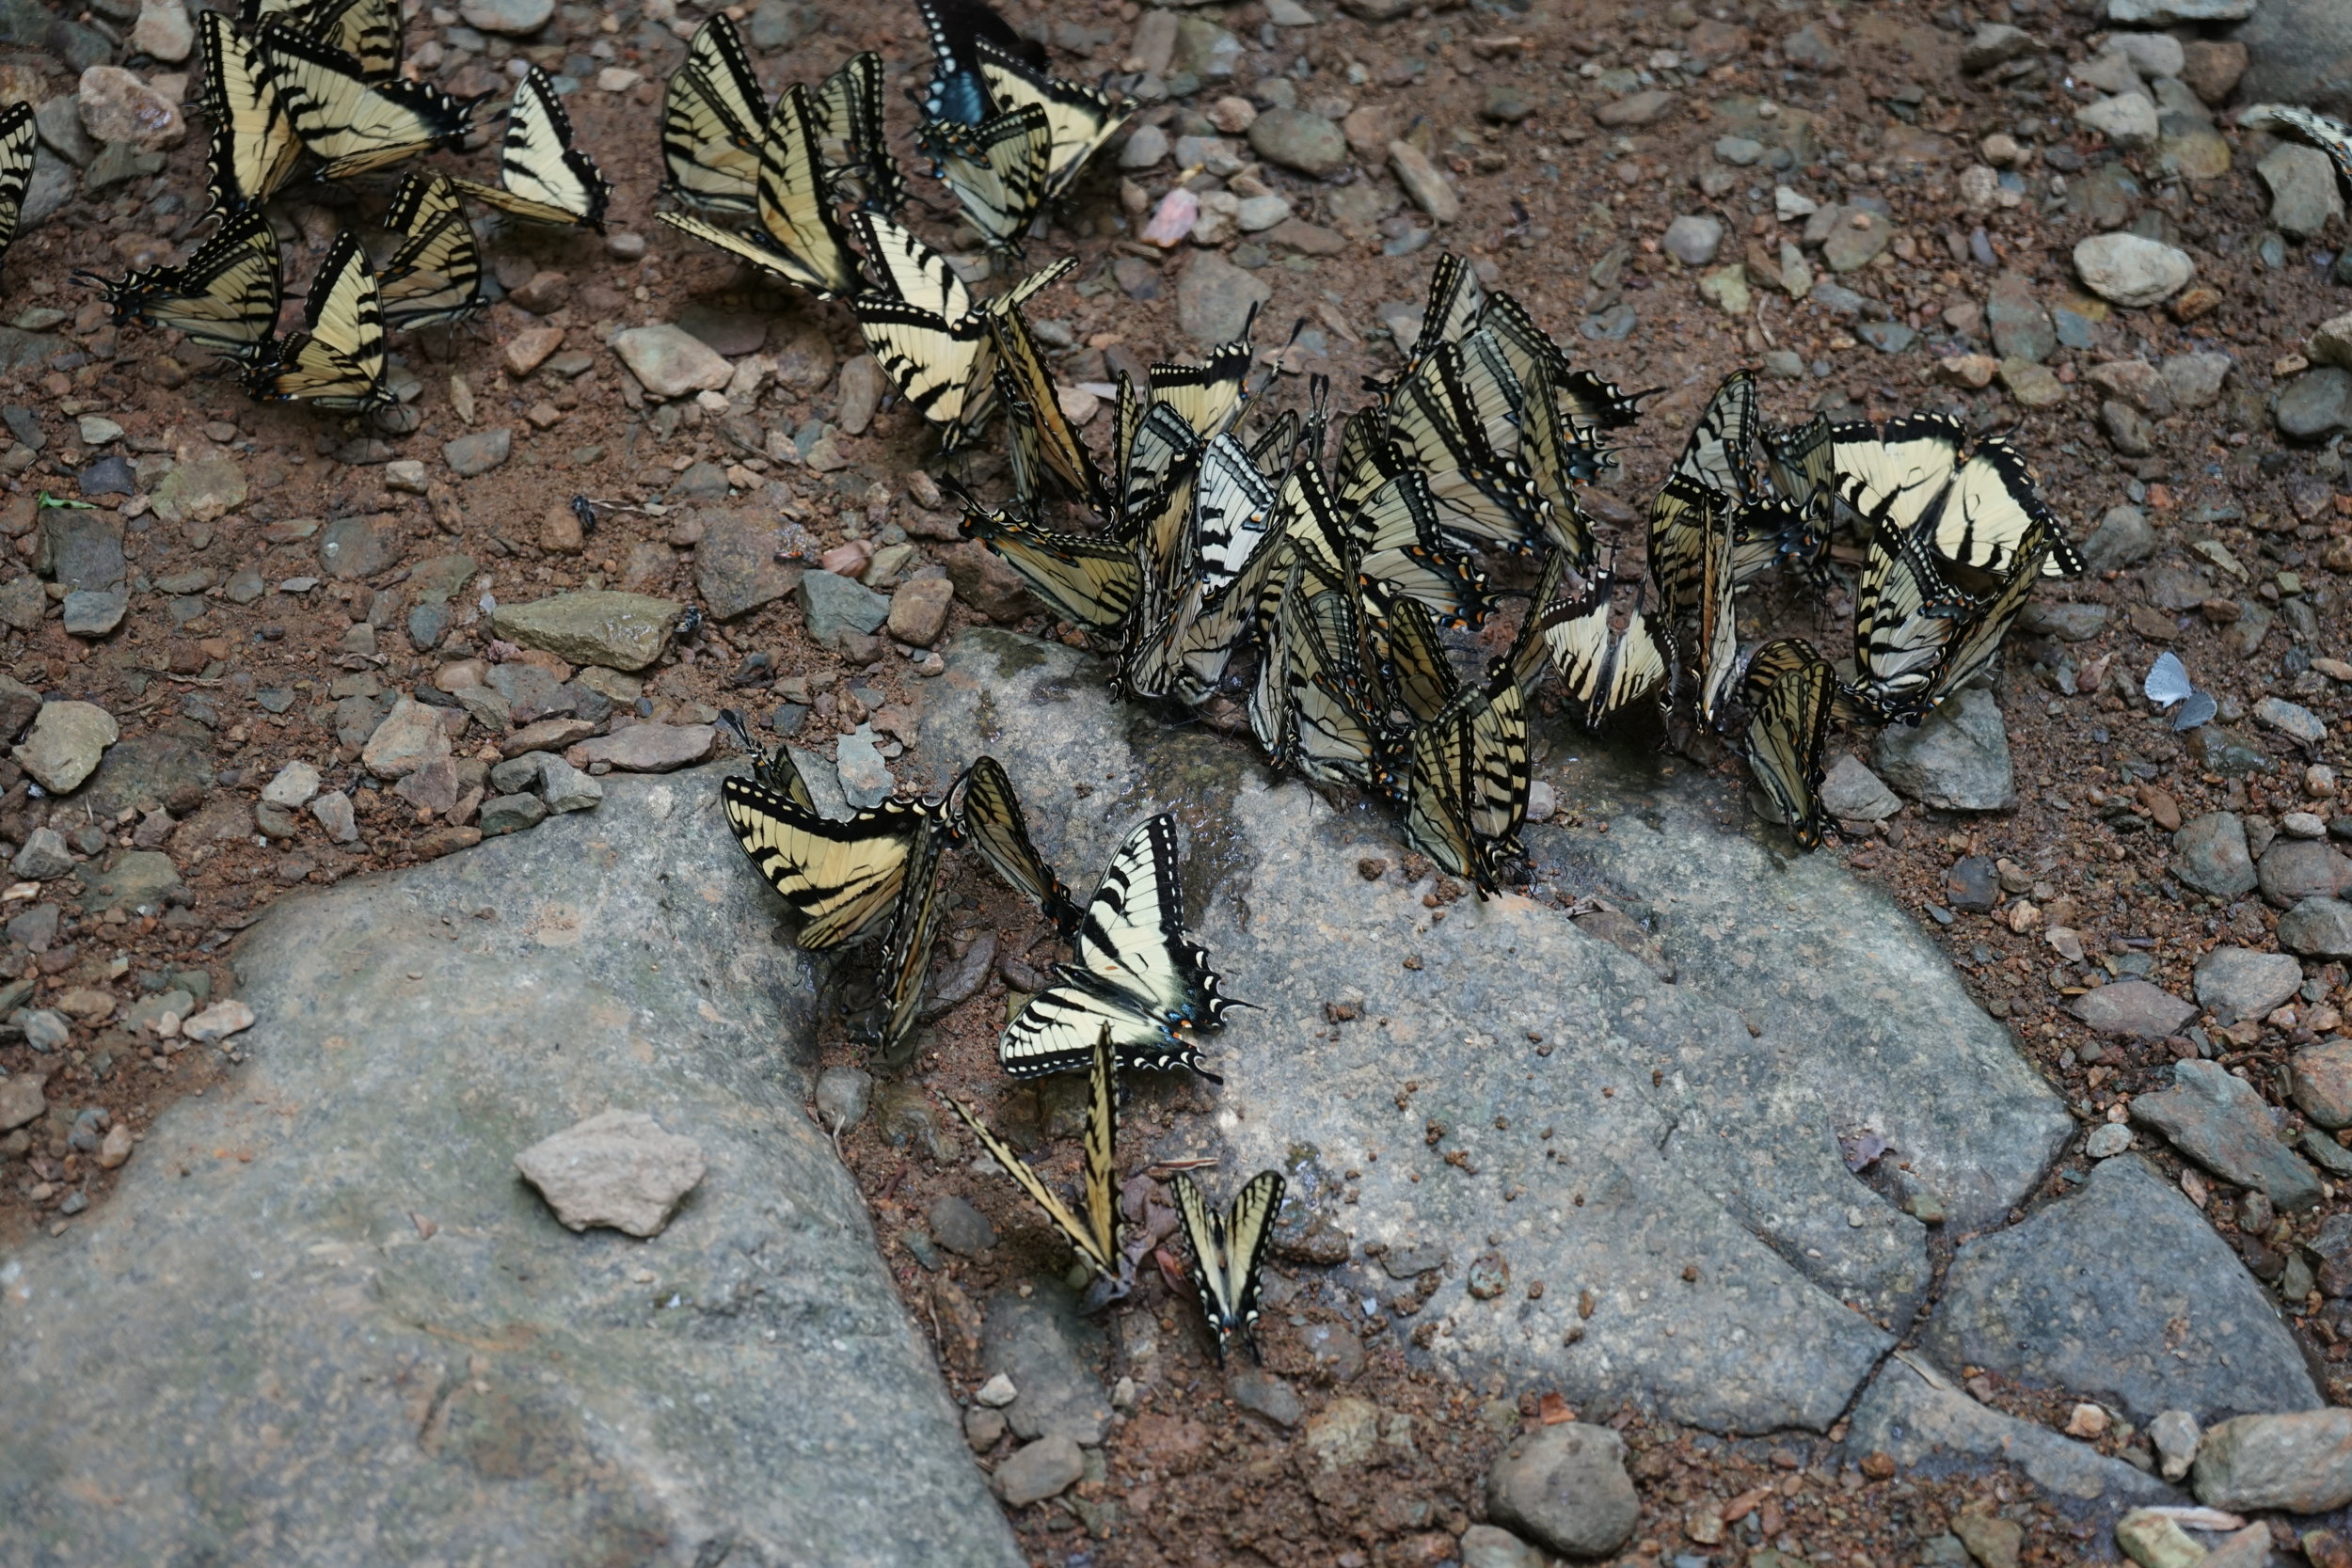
394	1350
2169	1319
1914	1416
1720	1235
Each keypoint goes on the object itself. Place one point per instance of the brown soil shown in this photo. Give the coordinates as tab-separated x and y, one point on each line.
1191	1476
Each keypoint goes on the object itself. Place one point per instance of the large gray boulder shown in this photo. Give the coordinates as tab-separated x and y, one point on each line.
375	1343
1510	1085
1918	1416
2122	1293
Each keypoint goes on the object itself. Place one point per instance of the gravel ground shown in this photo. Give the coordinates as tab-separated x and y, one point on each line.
1568	176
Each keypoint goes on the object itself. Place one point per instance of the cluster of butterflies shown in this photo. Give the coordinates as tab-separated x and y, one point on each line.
1345	580
1130	995
288	82
1342	578
814	173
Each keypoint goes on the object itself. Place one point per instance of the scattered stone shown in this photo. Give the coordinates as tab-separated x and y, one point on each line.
1693	238
2300	1462
2222	1123
65	744
472	455
866	780
2291	720
1214	299
1046	1346
294	787
617	1169
408	738
858	392
2108	1140
2155	1540
2303	195
334	813
1994	43
833	605
163	31
1853	792
960	1228
1256	1390
2136	1009
2322	1077
44	856
119	108
1857	239
843	1094
566	788
1488	1546
2210	854
1298	139
670	363
2128	120
217	1022
1646	107
647	748
2238	982
1809	49
1035	1471
2122	538
1566	1488
22	1100
2125	269
2316	403
619	631
2175	1434
735	568
1424	181
918	611
2020	328
1956	760
2292	870
2212	67
507	18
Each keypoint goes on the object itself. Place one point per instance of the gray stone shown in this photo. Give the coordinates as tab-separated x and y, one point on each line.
2221	1122
138	882
44	856
358	546
2108	1140
1851	792
2298	51
511	814
735	568
566	788
618	1168
2175	1434
858	393
1298	139
620	631
63	745
2300	1461
2066	622
1214	299
2128	270
2127	120
472	455
2209	854
2164	13
670	361
92	613
1491	1546
422	1301
831	605
2238	982
1705	1168
918	609
2317	928
21	1100
1035	1471
1566	1488
1913	1415
2321	1075
1693	238
2292	720
2122	539
648	748
2020	328
960	1228
410	736
2194	379
2303	195
334	813
83	548
1046	1348
1956	760
2293	869
294	786
1263	1394
1994	43
2132	1007
843	1094
857	762
2315	402
507	18
2169	1320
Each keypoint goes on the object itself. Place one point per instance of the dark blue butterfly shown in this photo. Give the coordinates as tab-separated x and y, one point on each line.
956	94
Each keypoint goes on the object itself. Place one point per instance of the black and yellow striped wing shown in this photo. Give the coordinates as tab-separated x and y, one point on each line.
1604	673
18	134
988	817
1401	550
1088	582
997	171
1208	395
1905	619
370	31
1981	631
1093	1232
800	237
852	132
1045	443
904	971
543	178
1467	792
435	277
713	119
1454	307
841	878
1413	675
337	360
253	148
1788	692
226	295
352	124
1078	118
1228	1253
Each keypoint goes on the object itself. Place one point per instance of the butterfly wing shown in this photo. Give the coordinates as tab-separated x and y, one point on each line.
1788	691
997	171
354	124
1084	580
18	134
841	878
989	817
848	110
542	176
1094	1241
713	119
337	360
436	275
1078	118
226	295
906	954
1132	940
254	147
